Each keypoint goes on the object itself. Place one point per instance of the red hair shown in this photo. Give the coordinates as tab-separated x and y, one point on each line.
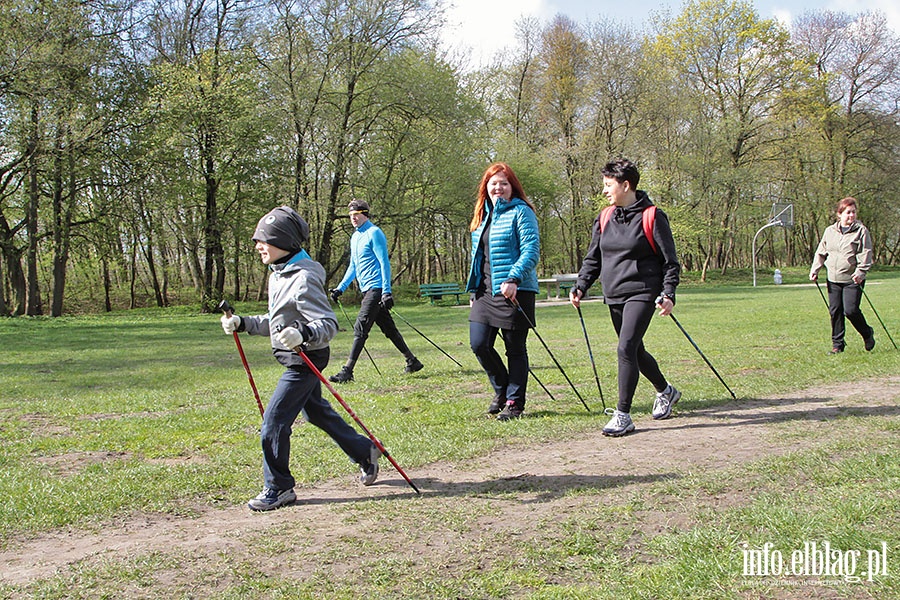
517	191
848	201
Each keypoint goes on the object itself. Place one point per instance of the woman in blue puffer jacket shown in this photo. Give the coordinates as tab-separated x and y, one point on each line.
505	250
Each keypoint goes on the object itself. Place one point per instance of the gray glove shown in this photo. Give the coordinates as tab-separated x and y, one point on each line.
387	301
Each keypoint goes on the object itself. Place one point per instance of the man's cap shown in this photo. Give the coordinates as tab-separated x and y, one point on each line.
360	206
284	228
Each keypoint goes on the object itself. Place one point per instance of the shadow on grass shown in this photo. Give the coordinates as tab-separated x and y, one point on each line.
546	487
768	411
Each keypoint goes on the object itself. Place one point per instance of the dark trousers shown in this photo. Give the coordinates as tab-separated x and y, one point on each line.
631	321
372	313
298	390
511	383
843	301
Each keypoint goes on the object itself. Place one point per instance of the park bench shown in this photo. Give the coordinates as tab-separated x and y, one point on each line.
562	282
436	291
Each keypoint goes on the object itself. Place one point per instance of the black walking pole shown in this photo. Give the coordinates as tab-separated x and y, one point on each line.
877	315
700	352
366	350
591	354
426	337
547	348
821	293
540	383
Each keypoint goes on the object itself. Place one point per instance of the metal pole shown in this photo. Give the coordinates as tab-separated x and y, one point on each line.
879	316
547	348
541	384
366	350
591	354
703	356
426	338
821	293
753	246
226	308
352	414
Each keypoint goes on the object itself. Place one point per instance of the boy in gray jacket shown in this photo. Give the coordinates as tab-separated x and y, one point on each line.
299	315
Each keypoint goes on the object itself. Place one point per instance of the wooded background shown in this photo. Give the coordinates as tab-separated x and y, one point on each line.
140	141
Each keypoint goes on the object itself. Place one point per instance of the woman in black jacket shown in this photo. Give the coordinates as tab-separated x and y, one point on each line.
634	256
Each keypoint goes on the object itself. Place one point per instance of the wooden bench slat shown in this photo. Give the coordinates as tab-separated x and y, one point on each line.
436	291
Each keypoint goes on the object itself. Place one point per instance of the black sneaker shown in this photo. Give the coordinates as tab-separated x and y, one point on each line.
414	365
836	350
270	499
870	341
343	376
369	469
496	405
510	412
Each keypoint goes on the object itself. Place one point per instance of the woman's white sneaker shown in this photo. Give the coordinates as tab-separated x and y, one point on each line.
665	402
619	425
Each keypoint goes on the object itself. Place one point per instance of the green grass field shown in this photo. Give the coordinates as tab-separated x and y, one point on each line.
149	413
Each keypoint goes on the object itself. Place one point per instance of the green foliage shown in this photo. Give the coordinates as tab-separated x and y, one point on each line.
143	413
157	142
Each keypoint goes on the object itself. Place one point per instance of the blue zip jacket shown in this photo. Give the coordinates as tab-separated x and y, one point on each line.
369	261
515	247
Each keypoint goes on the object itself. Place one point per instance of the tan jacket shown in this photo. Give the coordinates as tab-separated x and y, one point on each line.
844	254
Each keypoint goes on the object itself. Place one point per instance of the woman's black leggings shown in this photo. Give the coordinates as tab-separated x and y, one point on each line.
843	301
630	321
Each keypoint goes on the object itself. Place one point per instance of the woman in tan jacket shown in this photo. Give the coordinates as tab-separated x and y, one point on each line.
846	253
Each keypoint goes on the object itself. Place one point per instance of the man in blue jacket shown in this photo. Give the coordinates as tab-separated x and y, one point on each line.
371	267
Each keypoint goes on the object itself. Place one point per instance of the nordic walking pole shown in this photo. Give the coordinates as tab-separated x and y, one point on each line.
697	348
821	293
541	384
877	315
352	414
226	308
547	348
426	338
366	350
591	354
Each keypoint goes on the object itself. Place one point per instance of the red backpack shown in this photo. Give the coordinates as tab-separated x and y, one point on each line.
648	218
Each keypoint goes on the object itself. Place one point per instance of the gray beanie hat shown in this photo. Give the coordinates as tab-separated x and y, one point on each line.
283	228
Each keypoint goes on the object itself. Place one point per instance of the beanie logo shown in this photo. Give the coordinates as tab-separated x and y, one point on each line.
270	219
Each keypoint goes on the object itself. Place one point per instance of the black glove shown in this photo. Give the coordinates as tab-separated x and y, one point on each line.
387	301
335	294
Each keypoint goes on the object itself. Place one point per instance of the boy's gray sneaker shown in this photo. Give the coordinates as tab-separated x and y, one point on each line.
270	499
510	412
665	402
619	425
369	469
496	405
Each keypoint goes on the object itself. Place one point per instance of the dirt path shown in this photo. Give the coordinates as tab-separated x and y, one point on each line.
537	478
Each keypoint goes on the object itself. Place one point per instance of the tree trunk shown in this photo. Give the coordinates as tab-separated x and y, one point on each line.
33	306
4	311
62	221
107	303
